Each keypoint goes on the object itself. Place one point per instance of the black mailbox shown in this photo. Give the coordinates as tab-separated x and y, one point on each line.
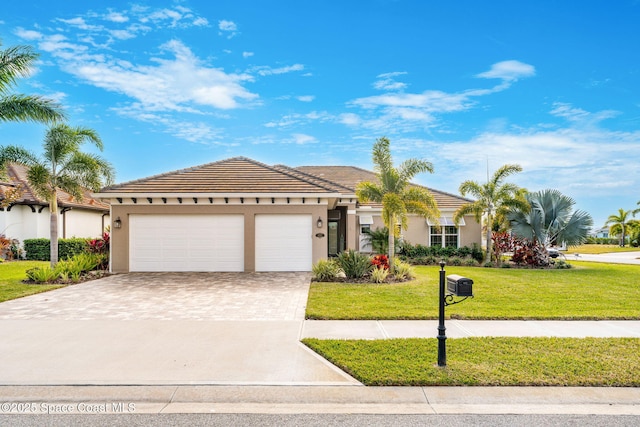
460	286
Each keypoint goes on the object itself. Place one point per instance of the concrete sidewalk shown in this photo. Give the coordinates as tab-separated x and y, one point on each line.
384	329
319	399
612	257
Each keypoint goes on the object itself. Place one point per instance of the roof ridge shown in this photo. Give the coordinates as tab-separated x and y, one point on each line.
286	172
337	184
173	172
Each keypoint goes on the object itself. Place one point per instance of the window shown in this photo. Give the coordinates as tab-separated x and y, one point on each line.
436	236
450	237
445	237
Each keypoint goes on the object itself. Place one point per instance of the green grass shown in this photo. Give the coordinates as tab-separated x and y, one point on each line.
11	276
488	361
600	249
588	291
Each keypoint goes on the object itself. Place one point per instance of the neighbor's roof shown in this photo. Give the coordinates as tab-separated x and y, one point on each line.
17	175
350	176
234	175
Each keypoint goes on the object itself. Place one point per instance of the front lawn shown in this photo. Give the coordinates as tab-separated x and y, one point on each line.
12	273
588	291
489	361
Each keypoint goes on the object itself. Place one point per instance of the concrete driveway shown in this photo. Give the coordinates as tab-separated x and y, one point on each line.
164	328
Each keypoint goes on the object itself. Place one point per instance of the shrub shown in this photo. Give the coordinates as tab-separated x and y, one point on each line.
379	275
39	249
562	264
470	262
403	270
42	274
67	270
419	251
354	264
488	264
454	260
326	270
380	261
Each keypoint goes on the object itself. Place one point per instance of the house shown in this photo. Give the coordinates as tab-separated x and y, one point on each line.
26	216
242	215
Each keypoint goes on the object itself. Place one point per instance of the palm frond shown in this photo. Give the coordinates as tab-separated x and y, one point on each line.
30	108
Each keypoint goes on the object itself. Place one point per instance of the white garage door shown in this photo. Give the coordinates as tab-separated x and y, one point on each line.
186	243
283	243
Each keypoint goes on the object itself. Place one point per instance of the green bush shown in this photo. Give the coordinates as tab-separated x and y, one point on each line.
403	270
470	262
354	264
326	270
420	251
67	270
455	260
40	249
42	275
379	275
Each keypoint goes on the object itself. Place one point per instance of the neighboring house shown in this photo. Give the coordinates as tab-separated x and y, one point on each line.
600	233
27	217
242	215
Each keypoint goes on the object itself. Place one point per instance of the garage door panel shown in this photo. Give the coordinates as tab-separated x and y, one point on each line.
283	242
186	243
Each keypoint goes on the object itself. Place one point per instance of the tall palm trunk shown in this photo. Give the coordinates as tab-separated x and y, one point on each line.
489	233
53	227
392	238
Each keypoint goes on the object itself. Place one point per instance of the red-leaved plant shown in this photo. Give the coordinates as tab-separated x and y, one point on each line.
380	262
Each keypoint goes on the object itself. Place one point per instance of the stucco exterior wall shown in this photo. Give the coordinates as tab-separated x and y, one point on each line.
417	231
82	223
22	223
120	237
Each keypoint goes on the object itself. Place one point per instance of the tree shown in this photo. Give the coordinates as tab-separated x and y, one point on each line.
619	224
551	220
63	166
394	190
495	196
16	62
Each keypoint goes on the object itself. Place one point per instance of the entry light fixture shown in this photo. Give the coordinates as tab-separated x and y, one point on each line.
117	223
319	222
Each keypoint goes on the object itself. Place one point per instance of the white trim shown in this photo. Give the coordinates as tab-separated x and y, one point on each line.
447	221
365	219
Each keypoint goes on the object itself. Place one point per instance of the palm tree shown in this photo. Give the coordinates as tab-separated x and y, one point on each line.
63	166
619	224
551	220
15	62
394	190
493	197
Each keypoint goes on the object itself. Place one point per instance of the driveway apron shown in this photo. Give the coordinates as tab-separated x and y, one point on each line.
164	328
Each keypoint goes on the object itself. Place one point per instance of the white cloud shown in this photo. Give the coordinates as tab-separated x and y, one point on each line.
509	70
302	139
350	119
228	28
247	54
564	110
28	34
116	17
405	112
267	71
386	81
306	98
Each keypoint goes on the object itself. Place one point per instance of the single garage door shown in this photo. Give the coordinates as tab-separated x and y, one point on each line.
283	243
186	243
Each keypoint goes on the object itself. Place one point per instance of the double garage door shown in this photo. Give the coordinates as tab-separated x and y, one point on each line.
217	243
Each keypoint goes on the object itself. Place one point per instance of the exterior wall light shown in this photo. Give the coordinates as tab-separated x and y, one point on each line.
117	223
319	223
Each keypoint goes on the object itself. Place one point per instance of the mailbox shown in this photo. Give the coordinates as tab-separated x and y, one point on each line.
460	286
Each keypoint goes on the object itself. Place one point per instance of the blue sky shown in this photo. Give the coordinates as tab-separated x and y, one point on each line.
552	86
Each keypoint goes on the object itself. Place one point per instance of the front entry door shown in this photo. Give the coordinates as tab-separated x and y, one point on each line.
333	238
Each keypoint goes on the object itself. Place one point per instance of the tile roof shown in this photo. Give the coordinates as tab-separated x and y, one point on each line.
234	175
350	176
17	175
